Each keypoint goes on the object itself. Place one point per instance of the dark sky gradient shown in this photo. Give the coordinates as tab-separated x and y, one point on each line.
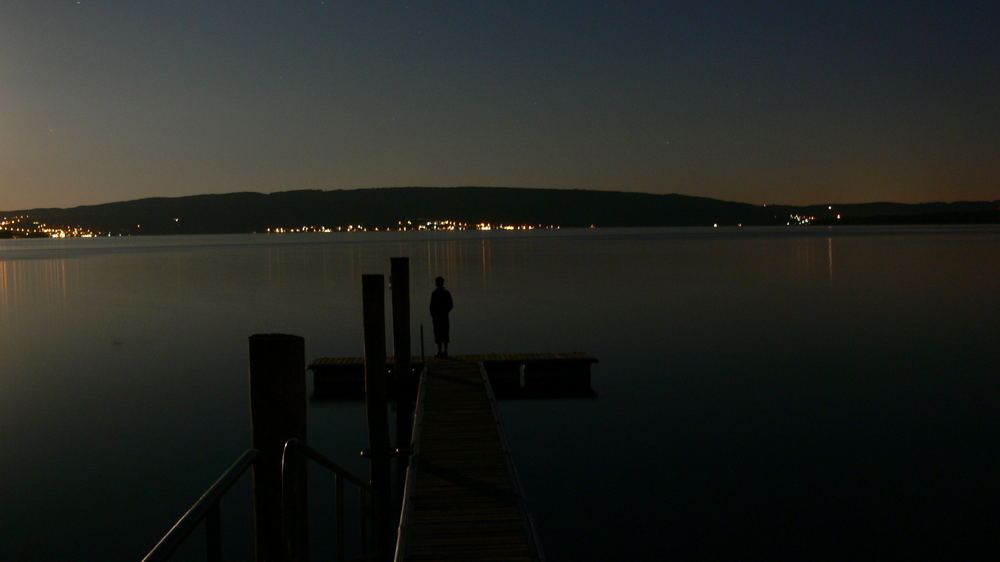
788	102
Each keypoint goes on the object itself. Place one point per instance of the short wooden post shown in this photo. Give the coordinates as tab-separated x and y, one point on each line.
373	302
405	382
277	414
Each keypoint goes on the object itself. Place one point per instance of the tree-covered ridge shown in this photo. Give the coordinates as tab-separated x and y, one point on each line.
384	207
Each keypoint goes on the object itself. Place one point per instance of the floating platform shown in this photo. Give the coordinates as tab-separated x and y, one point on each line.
512	375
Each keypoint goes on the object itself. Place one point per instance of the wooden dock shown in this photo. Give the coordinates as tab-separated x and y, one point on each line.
512	375
462	499
461	495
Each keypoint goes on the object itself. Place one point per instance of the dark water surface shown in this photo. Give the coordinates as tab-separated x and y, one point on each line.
802	394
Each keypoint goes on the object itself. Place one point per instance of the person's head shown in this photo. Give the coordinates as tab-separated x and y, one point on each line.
439	281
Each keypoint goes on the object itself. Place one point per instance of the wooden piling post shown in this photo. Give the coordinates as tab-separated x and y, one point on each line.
277	414
373	302
405	382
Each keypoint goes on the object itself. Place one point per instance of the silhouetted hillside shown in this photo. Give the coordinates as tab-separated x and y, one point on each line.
255	212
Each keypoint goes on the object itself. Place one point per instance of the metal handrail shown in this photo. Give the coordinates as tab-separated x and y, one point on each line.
527	519
406	509
339	475
206	508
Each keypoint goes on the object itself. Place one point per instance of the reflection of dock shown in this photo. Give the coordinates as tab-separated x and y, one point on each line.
462	499
512	375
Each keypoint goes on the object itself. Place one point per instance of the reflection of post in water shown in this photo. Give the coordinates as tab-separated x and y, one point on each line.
22	282
486	258
829	257
808	260
443	258
803	256
452	259
4	289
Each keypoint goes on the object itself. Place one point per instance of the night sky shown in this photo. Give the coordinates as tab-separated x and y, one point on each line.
784	102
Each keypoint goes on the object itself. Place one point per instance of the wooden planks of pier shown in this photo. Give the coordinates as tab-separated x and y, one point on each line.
462	499
512	375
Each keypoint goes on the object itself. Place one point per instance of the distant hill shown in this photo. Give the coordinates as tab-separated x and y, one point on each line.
255	212
960	212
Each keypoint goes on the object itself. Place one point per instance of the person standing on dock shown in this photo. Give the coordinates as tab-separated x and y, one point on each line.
441	305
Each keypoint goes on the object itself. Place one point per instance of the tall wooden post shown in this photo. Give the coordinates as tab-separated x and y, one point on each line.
277	414
373	302
405	382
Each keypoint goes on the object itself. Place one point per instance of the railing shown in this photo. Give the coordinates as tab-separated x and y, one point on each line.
406	510
527	519
207	509
339	475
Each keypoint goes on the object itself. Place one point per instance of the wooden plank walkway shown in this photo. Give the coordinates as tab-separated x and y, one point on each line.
472	358
512	375
463	500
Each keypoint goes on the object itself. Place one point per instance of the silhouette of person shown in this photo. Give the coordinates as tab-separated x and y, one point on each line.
441	305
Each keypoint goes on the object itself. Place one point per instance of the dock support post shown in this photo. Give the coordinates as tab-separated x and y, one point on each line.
373	302
277	414
405	382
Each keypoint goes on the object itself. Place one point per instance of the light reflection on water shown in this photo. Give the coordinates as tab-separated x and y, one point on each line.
763	393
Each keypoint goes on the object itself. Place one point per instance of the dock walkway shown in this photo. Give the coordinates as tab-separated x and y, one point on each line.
511	374
462	499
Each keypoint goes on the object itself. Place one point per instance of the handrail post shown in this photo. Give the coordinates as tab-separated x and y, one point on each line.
278	413
373	301
405	382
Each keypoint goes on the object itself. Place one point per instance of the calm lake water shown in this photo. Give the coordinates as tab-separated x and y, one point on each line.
762	394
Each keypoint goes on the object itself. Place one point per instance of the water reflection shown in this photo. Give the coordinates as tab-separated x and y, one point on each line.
718	350
450	257
829	258
4	286
486	255
813	258
26	282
